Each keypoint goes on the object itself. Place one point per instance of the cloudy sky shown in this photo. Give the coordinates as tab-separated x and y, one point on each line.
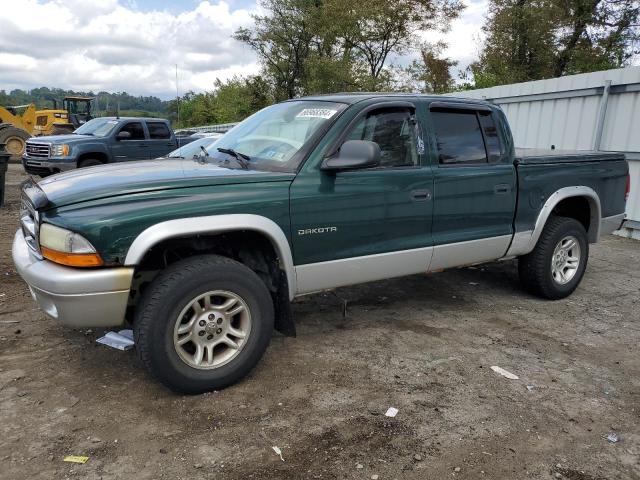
134	45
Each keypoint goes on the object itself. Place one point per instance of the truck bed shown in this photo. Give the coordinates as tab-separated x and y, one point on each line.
534	156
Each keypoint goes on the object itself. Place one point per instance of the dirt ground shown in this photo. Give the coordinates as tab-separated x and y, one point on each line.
423	344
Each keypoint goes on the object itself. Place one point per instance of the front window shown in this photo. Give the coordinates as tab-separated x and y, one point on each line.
194	149
98	127
272	137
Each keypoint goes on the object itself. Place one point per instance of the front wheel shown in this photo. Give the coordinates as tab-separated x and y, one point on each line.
556	265
203	324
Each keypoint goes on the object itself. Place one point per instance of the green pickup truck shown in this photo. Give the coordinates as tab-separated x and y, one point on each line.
203	256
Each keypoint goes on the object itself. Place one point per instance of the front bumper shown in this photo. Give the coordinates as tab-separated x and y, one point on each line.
79	298
43	167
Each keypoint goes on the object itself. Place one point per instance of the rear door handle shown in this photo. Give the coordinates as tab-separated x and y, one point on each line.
502	189
421	195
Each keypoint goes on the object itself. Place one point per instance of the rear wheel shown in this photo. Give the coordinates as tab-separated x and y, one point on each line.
556	265
203	324
15	140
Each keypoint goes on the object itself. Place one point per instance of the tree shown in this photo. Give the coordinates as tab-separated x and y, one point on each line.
536	39
318	46
229	101
433	74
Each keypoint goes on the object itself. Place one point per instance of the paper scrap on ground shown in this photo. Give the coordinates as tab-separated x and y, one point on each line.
122	340
613	437
76	459
392	412
504	373
278	452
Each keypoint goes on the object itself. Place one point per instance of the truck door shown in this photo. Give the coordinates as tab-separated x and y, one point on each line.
366	224
474	185
134	147
160	141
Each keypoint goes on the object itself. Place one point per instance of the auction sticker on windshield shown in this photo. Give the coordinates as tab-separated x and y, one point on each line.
316	113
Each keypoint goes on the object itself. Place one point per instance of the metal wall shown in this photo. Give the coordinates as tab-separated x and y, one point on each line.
590	111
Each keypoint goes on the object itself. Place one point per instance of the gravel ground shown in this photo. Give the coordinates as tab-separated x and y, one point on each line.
422	344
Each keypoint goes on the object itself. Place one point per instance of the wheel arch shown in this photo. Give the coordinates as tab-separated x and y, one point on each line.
211	225
525	242
101	156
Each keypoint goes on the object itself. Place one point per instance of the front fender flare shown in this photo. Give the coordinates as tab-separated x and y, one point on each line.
216	224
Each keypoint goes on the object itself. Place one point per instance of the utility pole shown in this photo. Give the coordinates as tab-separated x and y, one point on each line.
177	98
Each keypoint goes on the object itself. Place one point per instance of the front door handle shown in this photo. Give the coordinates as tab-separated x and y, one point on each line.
421	195
502	189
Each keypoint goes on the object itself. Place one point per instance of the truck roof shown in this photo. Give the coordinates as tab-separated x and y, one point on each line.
153	119
355	97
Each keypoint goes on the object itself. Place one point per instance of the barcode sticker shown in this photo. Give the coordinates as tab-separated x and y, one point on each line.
316	113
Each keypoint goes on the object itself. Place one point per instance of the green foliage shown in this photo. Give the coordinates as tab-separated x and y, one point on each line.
105	102
321	46
532	40
229	101
432	74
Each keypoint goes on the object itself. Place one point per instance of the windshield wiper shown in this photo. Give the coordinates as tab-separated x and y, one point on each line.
241	158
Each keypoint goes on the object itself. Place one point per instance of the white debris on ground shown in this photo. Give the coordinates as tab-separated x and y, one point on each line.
504	373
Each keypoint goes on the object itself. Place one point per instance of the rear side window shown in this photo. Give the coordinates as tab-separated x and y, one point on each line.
158	130
135	129
491	138
459	137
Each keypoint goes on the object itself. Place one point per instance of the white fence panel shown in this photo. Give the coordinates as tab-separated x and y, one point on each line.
567	113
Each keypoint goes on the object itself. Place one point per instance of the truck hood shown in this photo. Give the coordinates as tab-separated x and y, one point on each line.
118	179
60	139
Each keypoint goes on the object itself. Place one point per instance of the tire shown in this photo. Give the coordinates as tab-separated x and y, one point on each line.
15	140
553	277
165	310
89	162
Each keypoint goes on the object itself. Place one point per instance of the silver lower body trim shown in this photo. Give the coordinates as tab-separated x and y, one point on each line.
75	297
314	277
611	224
522	244
469	253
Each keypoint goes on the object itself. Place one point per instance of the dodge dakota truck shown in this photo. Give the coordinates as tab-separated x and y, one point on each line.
99	141
203	256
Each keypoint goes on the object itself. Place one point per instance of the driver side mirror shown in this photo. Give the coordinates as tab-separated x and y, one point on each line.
122	135
354	154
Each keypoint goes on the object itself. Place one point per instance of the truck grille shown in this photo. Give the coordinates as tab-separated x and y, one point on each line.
38	150
30	224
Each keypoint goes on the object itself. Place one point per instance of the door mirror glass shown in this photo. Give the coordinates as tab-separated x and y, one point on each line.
123	135
354	154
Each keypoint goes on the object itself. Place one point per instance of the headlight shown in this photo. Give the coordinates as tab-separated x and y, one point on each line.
61	150
67	248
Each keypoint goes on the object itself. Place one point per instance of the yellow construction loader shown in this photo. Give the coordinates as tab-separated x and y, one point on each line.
21	122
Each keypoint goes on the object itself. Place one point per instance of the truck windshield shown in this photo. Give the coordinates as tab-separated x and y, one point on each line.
271	138
98	127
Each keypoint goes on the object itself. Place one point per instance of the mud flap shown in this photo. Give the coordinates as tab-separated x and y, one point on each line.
283	315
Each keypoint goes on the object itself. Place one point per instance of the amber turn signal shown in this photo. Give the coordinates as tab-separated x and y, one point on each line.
72	259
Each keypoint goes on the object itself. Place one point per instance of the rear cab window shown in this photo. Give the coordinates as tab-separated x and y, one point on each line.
158	131
465	136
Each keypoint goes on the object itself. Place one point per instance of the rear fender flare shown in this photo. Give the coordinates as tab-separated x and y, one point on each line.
216	224
525	242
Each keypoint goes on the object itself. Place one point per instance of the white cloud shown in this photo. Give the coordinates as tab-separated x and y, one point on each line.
112	45
106	45
464	39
